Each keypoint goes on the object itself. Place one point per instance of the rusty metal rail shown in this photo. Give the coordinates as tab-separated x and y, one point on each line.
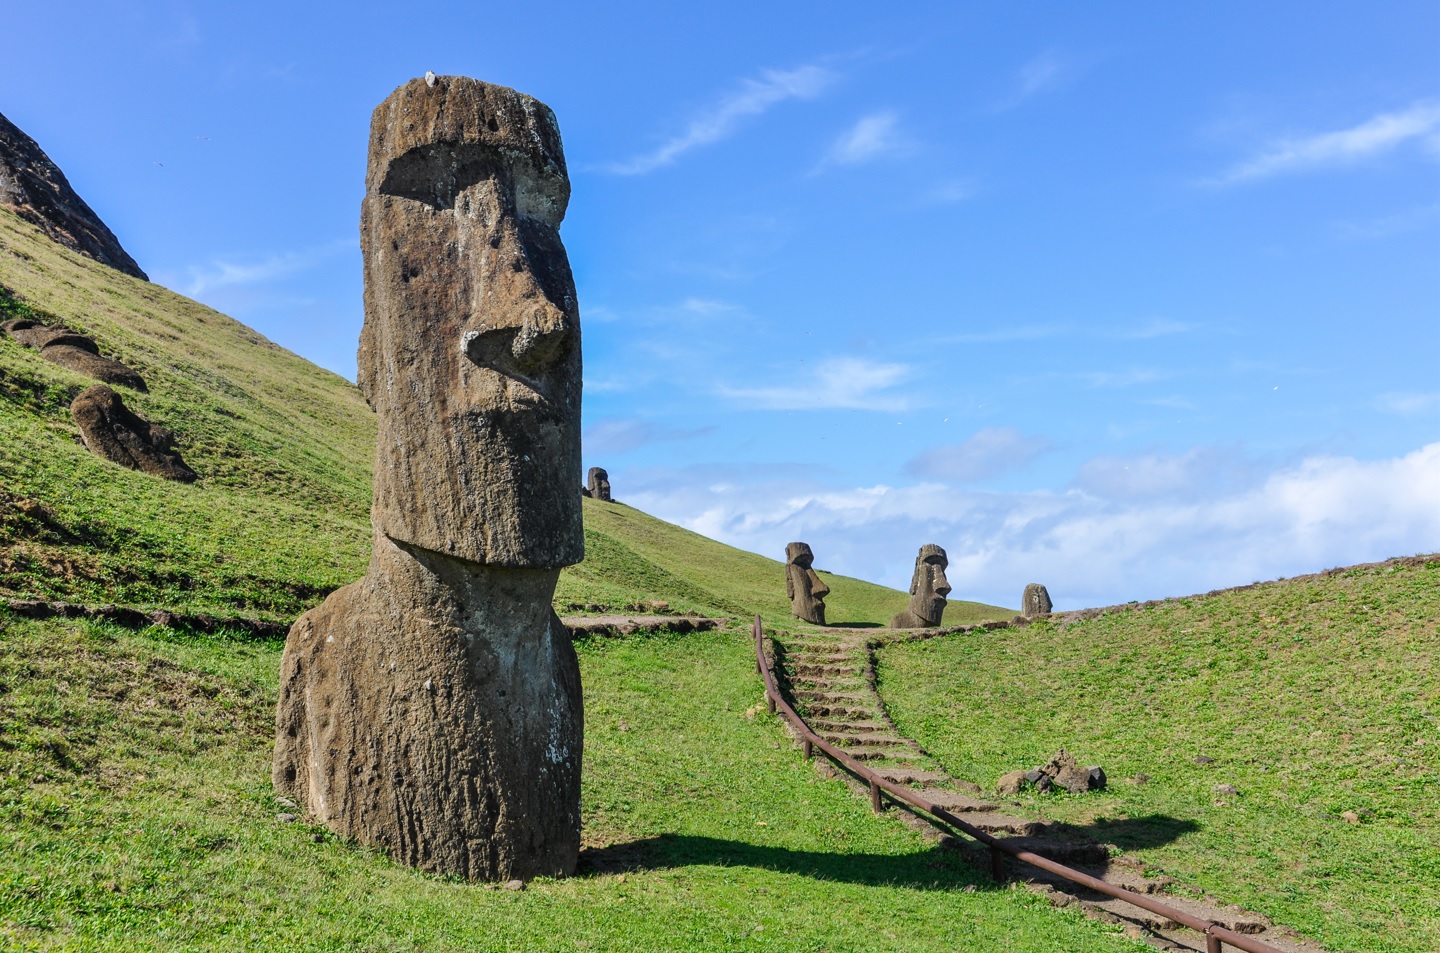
1216	936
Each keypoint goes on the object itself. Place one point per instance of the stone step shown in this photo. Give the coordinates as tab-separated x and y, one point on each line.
808	669
837	726
1068	852
825	683
901	774
850	699
846	740
955	802
822	710
882	754
1019	828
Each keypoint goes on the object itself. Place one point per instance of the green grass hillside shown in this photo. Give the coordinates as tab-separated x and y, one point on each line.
1313	697
281	513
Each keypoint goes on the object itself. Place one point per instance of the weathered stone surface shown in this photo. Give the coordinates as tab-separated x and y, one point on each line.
433	708
1067	772
1011	782
928	589
597	484
470	352
1035	602
111	430
74	351
802	584
36	190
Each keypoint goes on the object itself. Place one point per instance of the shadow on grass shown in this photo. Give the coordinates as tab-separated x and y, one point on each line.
938	868
933	869
854	625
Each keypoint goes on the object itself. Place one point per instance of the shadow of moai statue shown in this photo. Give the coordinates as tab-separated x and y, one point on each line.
597	484
928	589
433	708
802	584
1035	602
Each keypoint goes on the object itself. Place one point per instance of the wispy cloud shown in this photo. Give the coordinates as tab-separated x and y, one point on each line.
875	136
619	435
991	452
1387	225
1041	74
1154	328
223	273
1370	139
753	98
844	383
1409	405
1127	378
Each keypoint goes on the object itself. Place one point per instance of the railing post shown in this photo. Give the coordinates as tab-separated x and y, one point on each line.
876	804
808	748
770	700
997	864
1213	943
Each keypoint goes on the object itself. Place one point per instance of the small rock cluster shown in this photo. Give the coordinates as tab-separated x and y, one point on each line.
1061	771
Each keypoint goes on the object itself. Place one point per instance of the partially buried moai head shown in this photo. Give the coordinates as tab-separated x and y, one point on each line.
470	353
928	586
802	584
598	484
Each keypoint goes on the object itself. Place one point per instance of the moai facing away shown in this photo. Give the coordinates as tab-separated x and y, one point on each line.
433	707
802	584
928	589
597	484
1035	602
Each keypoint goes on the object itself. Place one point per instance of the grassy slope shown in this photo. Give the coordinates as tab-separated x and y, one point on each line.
136	814
1315	696
284	449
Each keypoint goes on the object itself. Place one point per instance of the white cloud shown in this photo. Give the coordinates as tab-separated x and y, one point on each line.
875	136
1089	549
220	273
1371	138
991	452
954	190
754	97
836	383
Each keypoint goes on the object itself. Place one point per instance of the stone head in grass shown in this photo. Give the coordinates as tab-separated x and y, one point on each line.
433	708
928	589
807	593
597	484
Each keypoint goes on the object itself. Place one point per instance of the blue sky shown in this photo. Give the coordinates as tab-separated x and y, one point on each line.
1133	300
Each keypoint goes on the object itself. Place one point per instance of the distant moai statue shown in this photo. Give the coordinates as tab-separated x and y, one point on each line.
597	484
433	708
928	589
1035	602
802	584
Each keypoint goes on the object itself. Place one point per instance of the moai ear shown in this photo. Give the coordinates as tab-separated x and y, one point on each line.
789	583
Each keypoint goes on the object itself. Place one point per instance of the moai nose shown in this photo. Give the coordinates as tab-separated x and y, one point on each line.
818	589
942	585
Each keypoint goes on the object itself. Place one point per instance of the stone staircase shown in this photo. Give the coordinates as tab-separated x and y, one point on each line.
828	676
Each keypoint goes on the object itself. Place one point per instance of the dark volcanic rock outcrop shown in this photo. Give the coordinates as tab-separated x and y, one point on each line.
1035	602
36	189
74	351
433	708
111	430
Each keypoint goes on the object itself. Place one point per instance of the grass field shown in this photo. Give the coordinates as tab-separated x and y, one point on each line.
136	814
1314	697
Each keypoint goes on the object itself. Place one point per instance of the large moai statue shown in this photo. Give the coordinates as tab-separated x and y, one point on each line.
433	708
928	589
802	585
597	484
1035	602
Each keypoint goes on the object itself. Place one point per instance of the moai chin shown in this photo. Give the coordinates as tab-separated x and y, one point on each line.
597	484
928	589
802	584
433	708
1035	602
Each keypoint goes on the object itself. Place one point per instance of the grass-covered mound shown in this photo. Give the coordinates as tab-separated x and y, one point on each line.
136	814
1314	697
280	515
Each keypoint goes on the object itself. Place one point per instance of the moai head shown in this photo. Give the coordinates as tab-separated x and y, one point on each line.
1035	602
470	353
598	483
929	587
807	593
